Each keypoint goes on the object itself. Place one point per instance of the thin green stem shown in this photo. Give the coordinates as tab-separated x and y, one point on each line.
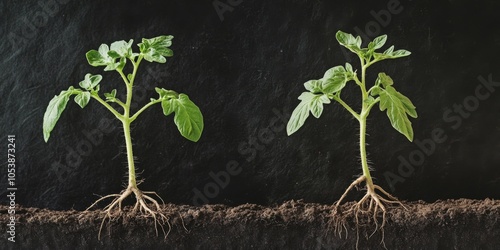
132	183
120	103
127	120
372	62
371	105
346	106
128	101
362	149
371	89
356	79
364	93
123	76
105	104
136	66
365	110
143	109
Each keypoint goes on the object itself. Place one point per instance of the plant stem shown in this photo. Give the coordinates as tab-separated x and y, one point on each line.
132	183
144	108
106	105
126	121
346	106
362	150
365	110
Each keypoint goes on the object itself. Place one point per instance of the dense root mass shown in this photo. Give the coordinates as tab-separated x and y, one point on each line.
365	211
145	205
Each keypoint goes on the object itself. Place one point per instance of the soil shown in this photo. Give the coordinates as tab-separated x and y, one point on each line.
448	224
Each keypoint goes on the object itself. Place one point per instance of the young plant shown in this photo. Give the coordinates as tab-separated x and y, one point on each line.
187	116
397	106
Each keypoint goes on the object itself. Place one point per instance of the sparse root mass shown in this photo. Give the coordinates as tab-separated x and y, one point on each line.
366	211
145	205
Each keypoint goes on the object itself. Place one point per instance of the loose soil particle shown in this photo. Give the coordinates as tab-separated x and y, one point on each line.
449	224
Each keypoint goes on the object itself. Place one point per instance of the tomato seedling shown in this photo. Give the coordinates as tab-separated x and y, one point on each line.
187	116
397	106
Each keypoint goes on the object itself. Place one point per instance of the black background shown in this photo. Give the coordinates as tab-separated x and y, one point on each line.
238	70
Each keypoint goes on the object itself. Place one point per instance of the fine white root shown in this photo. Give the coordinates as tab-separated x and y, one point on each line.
145	205
371	205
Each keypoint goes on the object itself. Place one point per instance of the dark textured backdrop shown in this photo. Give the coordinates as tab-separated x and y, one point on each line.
245	72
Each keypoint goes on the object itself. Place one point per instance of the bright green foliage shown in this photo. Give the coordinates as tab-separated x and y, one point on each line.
397	106
155	49
188	117
54	111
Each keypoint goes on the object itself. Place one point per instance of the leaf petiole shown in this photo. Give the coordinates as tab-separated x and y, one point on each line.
105	104
346	106
132	118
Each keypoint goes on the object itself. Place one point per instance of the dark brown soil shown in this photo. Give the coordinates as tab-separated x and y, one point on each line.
450	224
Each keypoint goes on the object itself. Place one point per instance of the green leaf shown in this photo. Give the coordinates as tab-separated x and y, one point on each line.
188	118
375	91
168	106
110	96
348	68
400	53
384	80
82	99
113	54
391	54
309	102
358	42
156	49
334	80
121	48
53	112
102	58
314	86
90	82
160	91
397	110
337	70
389	50
299	116
378	42
166	94
409	107
98	58
371	46
317	105
349	41
121	63
369	100
306	96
